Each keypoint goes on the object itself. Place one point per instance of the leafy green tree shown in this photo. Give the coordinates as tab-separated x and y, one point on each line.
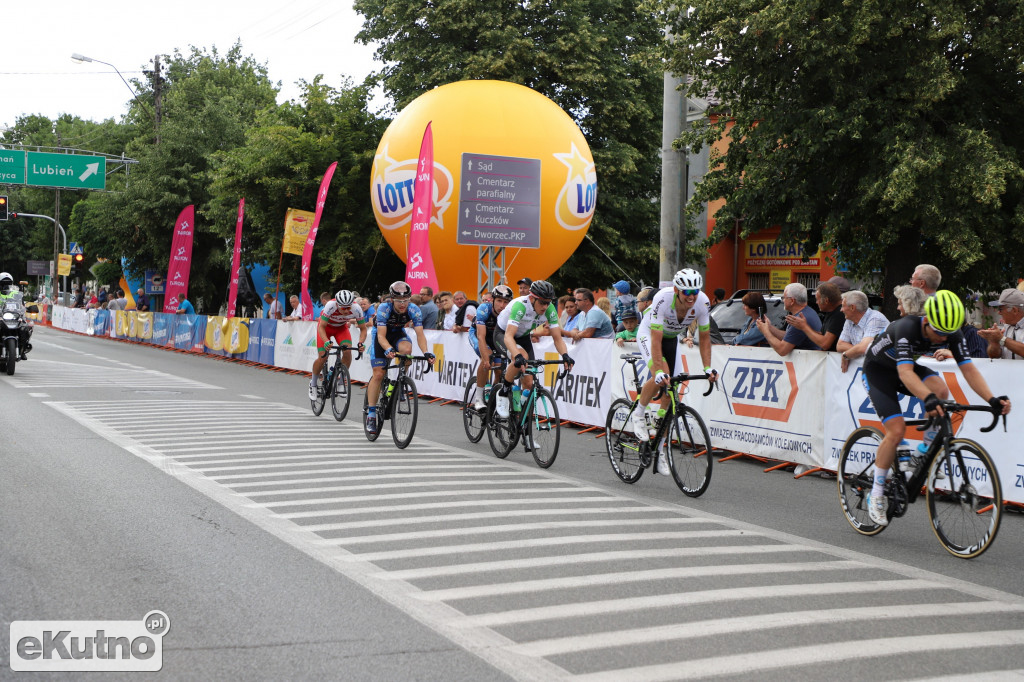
280	166
887	131
594	58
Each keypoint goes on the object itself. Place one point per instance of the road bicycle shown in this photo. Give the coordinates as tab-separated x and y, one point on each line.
475	421
682	434
335	384
965	501
536	421
398	402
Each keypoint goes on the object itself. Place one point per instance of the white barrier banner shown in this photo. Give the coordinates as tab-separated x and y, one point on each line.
848	407
295	345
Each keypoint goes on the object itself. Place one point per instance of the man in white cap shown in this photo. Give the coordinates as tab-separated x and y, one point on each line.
1006	340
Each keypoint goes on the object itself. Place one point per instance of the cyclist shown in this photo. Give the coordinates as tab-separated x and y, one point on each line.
482	340
390	338
890	368
512	337
333	324
671	312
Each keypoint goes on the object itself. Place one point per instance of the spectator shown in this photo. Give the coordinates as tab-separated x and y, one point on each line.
863	324
184	307
831	317
116	300
296	313
141	302
428	308
595	322
629	321
572	314
644	299
717	296
94	301
605	304
487	297
369	311
754	306
841	282
102	297
625	301
273	307
794	299
929	278
1006	340
524	286
910	300
446	311
465	311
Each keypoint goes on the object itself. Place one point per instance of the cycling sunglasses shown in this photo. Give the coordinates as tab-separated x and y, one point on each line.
690	292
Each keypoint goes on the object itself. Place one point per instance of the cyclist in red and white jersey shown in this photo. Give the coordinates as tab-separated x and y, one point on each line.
333	324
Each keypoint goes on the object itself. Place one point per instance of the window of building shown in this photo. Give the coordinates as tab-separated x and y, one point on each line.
758	281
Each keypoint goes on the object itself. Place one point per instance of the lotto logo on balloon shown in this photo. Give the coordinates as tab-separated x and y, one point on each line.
578	197
392	192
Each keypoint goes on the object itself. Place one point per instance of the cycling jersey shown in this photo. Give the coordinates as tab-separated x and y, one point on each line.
521	314
663	315
336	316
904	341
388	316
488	319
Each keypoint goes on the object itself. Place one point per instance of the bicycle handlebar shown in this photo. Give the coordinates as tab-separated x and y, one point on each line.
395	365
954	406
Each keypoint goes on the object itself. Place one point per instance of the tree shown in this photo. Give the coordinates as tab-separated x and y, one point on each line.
887	131
594	58
281	164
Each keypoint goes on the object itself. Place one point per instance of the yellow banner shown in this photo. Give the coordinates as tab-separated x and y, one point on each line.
227	333
780	279
297	225
63	264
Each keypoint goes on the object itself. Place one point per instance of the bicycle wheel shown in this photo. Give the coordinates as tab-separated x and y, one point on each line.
372	435
690	452
622	444
404	407
474	422
967	506
542	428
321	398
503	434
854	476
341	392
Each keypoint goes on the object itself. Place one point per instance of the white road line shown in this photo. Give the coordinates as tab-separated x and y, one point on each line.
836	652
667	601
39	395
476	516
522	543
349	499
597	557
543	482
636	576
757	623
535	526
380	476
383	468
257	462
449	504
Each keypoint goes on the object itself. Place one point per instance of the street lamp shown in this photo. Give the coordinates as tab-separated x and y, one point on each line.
79	58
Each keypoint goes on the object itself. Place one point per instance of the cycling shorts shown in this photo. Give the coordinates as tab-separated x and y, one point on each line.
525	342
339	334
669	347
394	336
474	342
884	386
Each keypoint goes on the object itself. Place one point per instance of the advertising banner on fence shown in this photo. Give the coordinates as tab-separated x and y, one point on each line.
262	335
295	345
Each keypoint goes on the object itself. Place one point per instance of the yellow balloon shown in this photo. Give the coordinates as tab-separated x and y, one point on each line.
488	118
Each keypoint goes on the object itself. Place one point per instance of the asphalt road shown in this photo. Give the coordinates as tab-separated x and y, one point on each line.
284	546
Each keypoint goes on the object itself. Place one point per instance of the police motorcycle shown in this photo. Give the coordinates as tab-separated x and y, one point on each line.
15	330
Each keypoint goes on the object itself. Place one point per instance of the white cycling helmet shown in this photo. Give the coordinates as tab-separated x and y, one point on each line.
6	281
345	298
688	278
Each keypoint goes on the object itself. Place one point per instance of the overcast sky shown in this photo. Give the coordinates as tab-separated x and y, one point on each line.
295	39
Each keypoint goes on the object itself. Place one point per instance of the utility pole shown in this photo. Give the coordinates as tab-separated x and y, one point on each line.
673	180
157	82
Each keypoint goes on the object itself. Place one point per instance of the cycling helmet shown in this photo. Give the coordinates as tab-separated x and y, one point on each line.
944	312
542	289
345	298
6	281
688	278
400	289
502	291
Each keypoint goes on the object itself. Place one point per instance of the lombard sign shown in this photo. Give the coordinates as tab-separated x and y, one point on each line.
762	389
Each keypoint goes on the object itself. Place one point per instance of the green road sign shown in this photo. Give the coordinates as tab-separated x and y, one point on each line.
73	171
12	167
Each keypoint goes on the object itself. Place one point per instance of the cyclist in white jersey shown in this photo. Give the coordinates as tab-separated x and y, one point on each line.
333	325
671	312
512	336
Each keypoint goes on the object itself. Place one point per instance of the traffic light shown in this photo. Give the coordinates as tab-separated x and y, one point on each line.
3	207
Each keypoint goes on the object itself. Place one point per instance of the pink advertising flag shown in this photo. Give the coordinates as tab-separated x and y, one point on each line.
181	258
307	253
419	268
236	260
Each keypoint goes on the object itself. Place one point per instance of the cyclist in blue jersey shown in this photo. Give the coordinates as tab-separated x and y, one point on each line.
890	368
482	340
390	338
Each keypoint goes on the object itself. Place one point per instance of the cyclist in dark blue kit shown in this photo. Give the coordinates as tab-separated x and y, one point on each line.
481	339
390	338
890	368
